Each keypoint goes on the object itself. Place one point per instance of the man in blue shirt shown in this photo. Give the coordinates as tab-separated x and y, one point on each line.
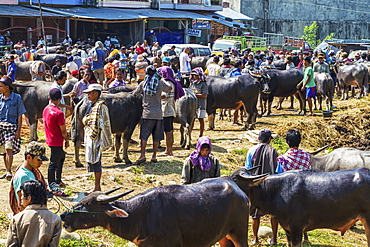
11	110
98	58
123	60
12	68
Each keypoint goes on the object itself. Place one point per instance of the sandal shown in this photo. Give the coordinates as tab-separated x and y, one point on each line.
154	160
139	162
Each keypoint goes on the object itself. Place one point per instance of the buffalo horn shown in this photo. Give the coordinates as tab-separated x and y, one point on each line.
319	150
253	177
111	191
253	168
106	199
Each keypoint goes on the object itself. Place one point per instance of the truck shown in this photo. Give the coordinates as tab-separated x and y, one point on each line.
238	42
270	41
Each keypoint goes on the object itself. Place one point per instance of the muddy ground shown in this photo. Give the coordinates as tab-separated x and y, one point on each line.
349	126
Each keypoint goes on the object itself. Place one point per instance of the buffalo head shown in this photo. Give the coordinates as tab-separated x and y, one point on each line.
245	179
264	80
93	210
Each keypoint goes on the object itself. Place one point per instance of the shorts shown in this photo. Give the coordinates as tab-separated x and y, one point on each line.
168	124
152	127
94	167
201	113
7	145
310	92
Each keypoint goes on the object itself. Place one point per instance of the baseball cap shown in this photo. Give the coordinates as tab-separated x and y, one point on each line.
7	81
74	72
166	60
93	87
36	149
265	133
55	94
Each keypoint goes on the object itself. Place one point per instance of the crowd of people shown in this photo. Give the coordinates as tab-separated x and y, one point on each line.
159	87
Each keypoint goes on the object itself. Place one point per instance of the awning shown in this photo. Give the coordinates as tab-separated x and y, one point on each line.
93	14
20	11
105	14
233	14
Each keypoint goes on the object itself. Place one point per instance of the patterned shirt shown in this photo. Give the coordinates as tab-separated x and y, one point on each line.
109	70
294	159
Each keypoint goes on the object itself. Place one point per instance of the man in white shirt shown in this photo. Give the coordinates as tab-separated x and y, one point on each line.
185	67
71	66
213	68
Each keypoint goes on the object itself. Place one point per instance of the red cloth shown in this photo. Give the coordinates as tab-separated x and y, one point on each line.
294	159
140	50
53	119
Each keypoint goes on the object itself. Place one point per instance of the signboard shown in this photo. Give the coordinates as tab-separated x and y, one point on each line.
207	3
201	24
9	2
193	32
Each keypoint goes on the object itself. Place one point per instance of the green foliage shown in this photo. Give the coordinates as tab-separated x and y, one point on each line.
329	37
137	170
279	144
310	34
85	242
240	151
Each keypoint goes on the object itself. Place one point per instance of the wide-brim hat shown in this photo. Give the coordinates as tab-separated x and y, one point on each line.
92	87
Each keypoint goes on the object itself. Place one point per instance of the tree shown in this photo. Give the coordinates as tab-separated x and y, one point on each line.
310	34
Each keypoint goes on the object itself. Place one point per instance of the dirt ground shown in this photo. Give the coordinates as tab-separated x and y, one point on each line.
349	126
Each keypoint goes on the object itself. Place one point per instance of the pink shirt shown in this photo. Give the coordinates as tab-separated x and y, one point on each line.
53	119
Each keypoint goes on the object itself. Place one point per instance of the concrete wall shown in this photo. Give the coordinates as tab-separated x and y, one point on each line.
348	19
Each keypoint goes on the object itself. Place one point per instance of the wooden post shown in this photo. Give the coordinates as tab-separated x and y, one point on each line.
43	28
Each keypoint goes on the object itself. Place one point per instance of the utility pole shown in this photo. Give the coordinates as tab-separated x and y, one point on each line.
43	28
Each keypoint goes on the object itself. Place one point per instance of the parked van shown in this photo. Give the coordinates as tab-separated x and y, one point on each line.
198	50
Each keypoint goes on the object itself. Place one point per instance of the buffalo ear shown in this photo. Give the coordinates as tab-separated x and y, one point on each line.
117	213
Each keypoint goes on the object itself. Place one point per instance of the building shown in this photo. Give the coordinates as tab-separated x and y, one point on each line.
346	19
173	21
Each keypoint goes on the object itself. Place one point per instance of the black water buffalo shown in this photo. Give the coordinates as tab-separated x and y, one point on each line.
352	75
304	200
125	113
229	92
325	89
49	59
186	110
196	215
23	70
280	64
283	83
35	98
341	159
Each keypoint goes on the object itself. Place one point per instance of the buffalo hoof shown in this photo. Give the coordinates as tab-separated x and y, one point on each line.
117	160
128	162
210	128
268	114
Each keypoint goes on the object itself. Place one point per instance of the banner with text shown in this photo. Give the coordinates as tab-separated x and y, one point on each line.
193	32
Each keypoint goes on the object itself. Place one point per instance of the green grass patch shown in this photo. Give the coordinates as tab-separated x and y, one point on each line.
280	145
85	242
137	170
240	151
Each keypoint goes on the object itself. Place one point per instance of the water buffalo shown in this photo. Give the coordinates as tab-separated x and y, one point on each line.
325	89
125	113
23	70
341	159
186	110
49	59
352	75
195	215
280	64
35	98
283	83
304	200
229	92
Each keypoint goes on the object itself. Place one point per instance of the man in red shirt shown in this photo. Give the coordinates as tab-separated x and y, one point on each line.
56	134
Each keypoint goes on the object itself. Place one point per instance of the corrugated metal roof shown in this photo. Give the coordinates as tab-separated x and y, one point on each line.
110	14
233	14
20	11
118	14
